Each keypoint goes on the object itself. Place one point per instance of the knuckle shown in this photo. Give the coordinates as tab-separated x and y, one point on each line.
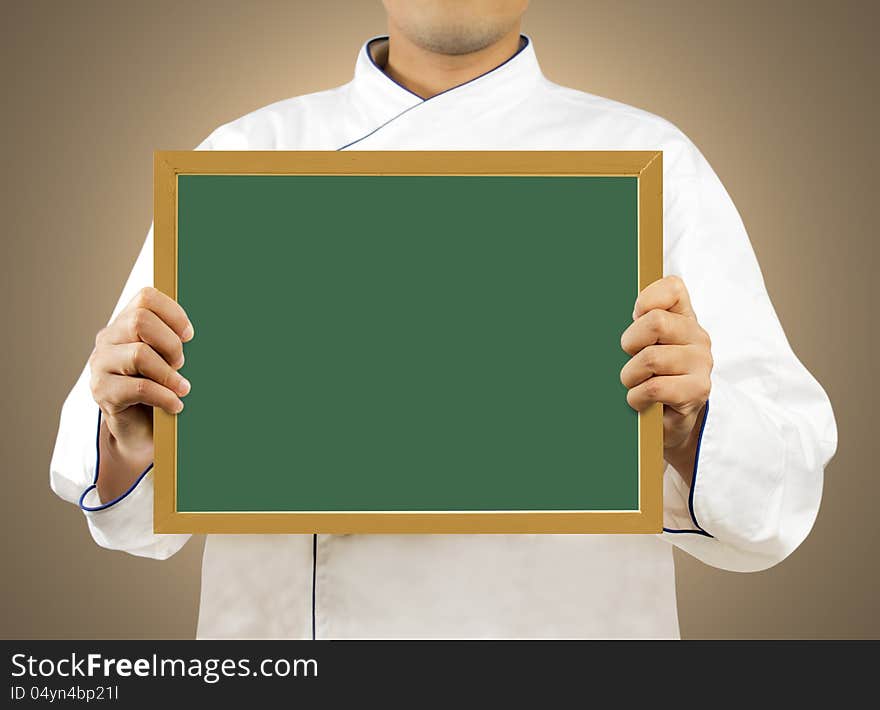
97	366
167	378
139	319
650	358
99	336
96	373
144	297
96	382
102	393
652	389
141	387
139	355
657	322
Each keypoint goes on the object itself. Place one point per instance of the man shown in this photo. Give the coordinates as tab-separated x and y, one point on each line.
744	472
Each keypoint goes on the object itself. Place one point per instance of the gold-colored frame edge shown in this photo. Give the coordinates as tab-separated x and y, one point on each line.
165	516
645	165
650	269
398	162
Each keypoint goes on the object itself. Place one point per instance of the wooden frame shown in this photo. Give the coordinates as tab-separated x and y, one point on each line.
647	166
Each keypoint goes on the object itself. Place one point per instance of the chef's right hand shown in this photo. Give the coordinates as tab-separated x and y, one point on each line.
133	369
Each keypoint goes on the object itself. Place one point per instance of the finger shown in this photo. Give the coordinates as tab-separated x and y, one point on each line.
662	360
143	325
684	393
662	327
169	310
119	392
667	294
140	359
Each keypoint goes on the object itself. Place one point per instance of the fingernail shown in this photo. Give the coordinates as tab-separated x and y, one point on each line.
188	332
179	407
634	315
184	387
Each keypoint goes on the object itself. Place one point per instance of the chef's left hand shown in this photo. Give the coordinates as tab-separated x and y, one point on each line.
671	360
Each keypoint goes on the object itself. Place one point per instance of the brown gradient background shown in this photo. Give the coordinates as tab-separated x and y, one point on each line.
781	96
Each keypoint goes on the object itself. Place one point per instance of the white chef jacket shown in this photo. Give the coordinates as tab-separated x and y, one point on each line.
767	436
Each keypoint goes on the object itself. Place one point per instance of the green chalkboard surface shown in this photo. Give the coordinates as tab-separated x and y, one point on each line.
406	344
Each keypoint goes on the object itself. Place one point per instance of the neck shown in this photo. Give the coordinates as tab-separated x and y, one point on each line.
427	73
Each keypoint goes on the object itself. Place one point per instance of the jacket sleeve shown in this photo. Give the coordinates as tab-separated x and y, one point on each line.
769	429
125	523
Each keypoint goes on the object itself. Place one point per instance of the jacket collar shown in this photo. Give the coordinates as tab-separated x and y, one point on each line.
381	97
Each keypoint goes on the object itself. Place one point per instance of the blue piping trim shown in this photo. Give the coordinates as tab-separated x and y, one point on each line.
379	127
451	88
693	532
699	530
104	506
393	81
421	99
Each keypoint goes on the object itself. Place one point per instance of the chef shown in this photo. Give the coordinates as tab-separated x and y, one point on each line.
747	429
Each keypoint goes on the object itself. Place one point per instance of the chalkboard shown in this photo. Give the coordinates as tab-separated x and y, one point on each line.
407	341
